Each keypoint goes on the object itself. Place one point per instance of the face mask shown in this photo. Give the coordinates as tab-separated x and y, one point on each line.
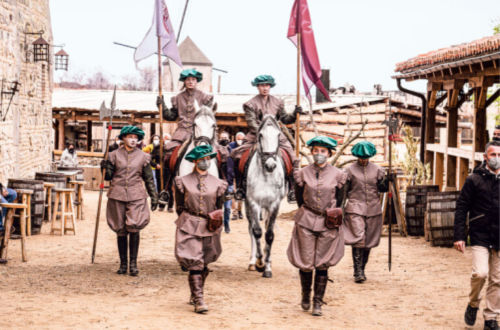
224	142
319	159
71	151
494	163
131	142
119	142
239	142
156	142
203	165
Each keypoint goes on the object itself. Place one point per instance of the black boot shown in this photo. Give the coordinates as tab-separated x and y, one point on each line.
291	190
470	315
357	260
306	283
241	182
490	325
134	250
320	282
366	254
122	251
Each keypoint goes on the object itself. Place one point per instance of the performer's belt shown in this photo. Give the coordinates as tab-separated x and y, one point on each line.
196	214
315	211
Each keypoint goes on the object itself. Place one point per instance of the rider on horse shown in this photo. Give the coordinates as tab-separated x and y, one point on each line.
183	108
255	109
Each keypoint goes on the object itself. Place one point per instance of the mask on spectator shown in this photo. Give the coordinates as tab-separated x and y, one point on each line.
319	159
239	142
224	142
494	163
203	165
131	142
71	150
156	142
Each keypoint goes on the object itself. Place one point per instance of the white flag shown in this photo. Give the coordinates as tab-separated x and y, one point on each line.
161	27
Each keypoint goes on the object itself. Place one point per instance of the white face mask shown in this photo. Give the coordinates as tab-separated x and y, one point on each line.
494	163
239	142
156	142
131	142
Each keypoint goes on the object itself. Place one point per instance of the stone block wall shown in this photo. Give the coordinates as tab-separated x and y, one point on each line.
26	135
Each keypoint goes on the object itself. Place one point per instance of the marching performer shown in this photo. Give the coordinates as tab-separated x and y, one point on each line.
317	240
199	197
363	220
255	109
127	212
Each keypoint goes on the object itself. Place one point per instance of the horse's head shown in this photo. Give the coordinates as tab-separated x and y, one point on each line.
204	125
268	142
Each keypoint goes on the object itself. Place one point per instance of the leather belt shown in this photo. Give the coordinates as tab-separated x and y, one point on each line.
315	211
205	216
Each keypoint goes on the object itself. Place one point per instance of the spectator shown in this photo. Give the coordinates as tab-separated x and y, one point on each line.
69	157
7	195
496	133
224	142
479	199
166	177
154	149
240	136
115	145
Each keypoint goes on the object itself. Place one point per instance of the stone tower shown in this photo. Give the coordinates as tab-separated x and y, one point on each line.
192	57
26	135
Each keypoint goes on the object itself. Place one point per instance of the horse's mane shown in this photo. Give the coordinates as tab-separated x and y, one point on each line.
204	111
268	120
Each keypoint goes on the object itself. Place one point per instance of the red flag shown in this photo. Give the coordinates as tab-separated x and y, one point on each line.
300	22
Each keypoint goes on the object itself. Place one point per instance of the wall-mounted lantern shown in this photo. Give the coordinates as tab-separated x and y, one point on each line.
41	50
61	60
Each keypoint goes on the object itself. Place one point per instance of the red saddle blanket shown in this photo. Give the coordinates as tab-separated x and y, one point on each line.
249	152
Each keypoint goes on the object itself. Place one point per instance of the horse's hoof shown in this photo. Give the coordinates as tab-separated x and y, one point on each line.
267	274
251	268
260	269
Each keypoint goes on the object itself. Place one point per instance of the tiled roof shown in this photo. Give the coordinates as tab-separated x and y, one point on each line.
454	53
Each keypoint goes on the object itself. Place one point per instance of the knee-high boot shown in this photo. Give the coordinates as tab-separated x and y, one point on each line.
122	251
366	254
291	190
241	182
196	284
357	260
134	250
306	283
320	282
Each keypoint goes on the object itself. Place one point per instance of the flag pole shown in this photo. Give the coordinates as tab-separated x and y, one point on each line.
297	119
160	109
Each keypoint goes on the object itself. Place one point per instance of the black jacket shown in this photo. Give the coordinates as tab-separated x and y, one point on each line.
480	199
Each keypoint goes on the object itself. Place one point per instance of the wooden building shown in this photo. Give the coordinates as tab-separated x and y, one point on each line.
454	75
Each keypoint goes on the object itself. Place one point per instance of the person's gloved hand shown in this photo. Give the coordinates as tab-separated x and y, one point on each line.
159	100
105	164
299	110
154	205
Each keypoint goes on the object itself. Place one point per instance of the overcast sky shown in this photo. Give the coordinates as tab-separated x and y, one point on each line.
359	41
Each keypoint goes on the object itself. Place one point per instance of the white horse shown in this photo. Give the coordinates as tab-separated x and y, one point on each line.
204	129
265	190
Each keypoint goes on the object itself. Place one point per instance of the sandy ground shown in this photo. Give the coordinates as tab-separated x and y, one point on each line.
59	288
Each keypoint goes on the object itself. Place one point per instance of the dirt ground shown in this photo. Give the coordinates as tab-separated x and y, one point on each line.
59	288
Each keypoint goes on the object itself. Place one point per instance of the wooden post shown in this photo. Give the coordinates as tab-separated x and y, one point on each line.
430	127
160	109
218	84
60	132
438	169
89	135
463	172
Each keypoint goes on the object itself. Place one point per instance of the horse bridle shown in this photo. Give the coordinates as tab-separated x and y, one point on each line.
266	155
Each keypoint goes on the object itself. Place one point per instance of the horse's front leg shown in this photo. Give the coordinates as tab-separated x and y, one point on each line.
253	213
269	241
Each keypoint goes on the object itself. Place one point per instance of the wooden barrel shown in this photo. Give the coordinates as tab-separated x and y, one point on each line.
415	206
58	179
37	201
441	216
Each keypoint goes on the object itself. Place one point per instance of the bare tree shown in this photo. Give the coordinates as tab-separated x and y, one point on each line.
130	82
148	77
98	81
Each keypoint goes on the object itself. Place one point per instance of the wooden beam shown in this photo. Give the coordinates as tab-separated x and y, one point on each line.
463	172
60	133
438	169
492	98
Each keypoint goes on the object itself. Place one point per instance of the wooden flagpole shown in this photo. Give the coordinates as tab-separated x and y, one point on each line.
297	119
160	108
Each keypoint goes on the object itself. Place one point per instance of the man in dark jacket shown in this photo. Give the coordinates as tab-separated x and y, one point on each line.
479	199
225	142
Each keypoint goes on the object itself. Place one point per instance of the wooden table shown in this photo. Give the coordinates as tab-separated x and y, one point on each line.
25	195
47	186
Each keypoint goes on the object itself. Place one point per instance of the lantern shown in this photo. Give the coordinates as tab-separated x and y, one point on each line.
61	60
40	50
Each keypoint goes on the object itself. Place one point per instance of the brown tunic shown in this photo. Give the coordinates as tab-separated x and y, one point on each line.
127	209
363	220
184	103
312	244
195	245
254	109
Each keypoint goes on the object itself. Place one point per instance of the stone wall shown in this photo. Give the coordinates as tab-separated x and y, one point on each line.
26	135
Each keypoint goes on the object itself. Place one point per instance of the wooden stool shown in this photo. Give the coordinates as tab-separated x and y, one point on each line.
9	220
64	199
25	198
79	198
47	186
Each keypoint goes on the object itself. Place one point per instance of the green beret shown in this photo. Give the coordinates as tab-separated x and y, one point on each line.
201	152
322	141
131	130
191	73
264	79
364	149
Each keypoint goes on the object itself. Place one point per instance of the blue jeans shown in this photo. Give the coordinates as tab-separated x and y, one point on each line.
227	207
11	196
